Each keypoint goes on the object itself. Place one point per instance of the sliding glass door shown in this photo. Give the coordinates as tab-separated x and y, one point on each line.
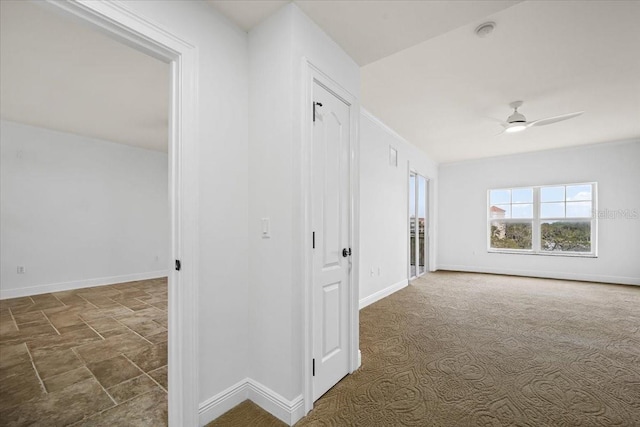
422	223
417	225
412	225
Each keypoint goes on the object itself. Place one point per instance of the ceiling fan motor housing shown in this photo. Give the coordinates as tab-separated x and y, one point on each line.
516	118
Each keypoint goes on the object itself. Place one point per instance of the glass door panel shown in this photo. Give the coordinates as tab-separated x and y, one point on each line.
422	223
417	225
412	225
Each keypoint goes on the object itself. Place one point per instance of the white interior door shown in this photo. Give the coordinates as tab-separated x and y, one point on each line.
331	227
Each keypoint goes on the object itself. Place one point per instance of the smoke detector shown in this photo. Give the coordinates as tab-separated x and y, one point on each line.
485	29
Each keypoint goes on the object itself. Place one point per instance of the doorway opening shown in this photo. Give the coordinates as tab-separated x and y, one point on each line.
418	226
92	260
126	26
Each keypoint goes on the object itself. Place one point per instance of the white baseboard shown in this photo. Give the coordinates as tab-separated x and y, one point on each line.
212	408
377	296
287	411
79	284
620	280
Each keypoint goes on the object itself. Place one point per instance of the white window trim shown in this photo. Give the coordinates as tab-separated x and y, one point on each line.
536	222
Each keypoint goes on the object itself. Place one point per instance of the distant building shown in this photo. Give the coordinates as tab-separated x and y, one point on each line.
496	212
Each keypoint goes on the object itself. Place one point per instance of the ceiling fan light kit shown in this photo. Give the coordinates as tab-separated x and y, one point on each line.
516	127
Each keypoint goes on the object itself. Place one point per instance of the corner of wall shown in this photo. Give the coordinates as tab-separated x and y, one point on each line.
287	411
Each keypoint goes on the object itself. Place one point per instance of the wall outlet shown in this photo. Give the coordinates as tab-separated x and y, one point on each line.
157	258
22	269
372	273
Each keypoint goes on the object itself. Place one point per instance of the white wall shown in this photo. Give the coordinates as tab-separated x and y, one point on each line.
270	190
462	206
223	183
78	211
384	205
276	49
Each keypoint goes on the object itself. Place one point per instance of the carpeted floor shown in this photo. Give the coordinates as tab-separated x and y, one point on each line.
459	349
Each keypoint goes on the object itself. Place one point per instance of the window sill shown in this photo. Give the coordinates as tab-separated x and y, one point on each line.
552	254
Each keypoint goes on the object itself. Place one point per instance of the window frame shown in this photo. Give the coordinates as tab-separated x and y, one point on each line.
537	221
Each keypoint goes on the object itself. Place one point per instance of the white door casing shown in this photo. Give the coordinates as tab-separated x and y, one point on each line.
331	223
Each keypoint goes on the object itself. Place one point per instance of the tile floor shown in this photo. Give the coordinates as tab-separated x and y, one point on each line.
89	357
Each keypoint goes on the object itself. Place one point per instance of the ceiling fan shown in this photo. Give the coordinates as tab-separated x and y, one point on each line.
517	122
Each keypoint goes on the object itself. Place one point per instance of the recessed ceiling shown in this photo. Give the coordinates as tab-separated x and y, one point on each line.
444	94
58	74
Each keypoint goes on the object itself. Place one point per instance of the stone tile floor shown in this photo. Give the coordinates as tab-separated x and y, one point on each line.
88	357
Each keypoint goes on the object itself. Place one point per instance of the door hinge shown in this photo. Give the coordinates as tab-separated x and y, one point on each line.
313	239
319	104
178	265
313	368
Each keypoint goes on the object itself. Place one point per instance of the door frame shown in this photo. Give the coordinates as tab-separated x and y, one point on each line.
310	75
125	25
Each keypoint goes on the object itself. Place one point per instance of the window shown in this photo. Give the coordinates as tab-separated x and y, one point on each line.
554	220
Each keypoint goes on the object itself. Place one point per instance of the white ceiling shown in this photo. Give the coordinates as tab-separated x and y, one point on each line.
559	57
371	30
58	74
426	75
248	13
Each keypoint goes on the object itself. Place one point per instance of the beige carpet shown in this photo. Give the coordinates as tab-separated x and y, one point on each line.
456	349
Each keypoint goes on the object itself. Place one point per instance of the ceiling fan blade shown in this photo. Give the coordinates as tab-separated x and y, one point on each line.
550	120
498	121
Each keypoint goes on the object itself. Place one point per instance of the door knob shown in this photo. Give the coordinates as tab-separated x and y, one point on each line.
346	252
